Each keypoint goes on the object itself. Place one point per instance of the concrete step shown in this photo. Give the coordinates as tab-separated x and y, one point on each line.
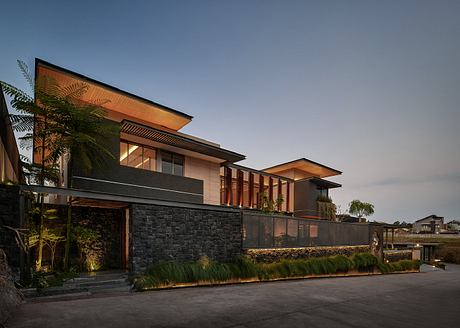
96	283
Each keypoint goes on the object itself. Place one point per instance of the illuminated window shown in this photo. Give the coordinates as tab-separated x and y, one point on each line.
137	156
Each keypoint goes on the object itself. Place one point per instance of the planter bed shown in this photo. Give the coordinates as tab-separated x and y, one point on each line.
169	275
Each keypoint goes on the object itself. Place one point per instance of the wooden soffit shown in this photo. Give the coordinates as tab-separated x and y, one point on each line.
122	104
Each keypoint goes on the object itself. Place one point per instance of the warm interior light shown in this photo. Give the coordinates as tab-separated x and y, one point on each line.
143	162
130	150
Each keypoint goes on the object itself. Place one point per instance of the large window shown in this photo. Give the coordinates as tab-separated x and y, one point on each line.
172	163
137	156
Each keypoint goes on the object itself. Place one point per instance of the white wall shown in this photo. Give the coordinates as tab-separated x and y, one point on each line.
207	171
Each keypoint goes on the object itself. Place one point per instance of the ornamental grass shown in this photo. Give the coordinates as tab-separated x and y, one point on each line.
242	268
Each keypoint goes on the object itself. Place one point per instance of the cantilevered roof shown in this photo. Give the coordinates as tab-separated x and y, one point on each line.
304	165
122	104
179	141
325	183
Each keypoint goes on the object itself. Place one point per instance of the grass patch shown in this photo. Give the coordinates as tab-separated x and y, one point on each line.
164	274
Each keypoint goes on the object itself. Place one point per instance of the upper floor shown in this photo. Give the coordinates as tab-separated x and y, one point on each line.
154	159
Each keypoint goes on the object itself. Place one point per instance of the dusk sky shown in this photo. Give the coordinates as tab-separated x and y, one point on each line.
371	88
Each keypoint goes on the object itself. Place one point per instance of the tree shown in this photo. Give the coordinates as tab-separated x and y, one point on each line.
360	209
64	127
51	238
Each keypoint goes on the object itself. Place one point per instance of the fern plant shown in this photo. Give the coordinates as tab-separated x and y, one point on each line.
58	124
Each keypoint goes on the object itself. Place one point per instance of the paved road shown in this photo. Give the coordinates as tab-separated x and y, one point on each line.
430	299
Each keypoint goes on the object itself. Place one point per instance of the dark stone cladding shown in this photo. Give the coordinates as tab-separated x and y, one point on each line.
9	216
277	254
167	233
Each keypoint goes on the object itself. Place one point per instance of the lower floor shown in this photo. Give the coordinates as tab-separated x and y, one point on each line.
371	301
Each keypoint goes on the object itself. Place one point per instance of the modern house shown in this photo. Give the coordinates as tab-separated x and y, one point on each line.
10	166
155	160
429	224
166	195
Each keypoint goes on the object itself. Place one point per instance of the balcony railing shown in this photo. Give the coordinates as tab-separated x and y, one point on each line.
276	231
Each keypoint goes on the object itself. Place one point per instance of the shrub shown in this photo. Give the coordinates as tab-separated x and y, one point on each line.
403	265
450	254
364	260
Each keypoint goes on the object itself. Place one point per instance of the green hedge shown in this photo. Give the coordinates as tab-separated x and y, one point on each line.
403	265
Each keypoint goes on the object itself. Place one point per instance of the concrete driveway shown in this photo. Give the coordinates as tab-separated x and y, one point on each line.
429	299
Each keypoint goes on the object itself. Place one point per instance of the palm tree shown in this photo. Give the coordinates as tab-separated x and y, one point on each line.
59	124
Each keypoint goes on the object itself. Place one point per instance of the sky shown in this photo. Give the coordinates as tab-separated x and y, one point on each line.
371	88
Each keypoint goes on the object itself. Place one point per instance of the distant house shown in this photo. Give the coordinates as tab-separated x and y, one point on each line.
10	166
349	218
429	224
453	225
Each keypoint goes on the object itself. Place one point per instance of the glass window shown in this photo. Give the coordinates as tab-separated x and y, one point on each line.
303	234
172	163
148	162
166	162
323	192
313	231
280	232
123	153
266	232
178	168
292	231
137	156
250	231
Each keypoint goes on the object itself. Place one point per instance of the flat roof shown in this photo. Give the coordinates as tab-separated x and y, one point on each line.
176	139
249	169
324	183
305	165
121	101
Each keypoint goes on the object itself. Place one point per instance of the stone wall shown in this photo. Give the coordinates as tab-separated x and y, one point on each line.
9	216
397	255
165	233
277	254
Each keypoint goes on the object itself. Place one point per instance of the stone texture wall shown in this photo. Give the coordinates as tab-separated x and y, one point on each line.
164	233
9	216
397	255
277	254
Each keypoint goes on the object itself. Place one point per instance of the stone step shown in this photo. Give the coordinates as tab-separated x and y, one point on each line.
97	283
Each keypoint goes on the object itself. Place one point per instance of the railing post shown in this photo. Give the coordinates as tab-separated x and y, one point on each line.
228	185
270	188
261	191
251	190
280	193
288	194
239	187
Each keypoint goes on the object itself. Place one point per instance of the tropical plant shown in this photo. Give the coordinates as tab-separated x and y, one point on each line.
51	238
268	205
64	127
44	215
360	209
87	243
326	208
